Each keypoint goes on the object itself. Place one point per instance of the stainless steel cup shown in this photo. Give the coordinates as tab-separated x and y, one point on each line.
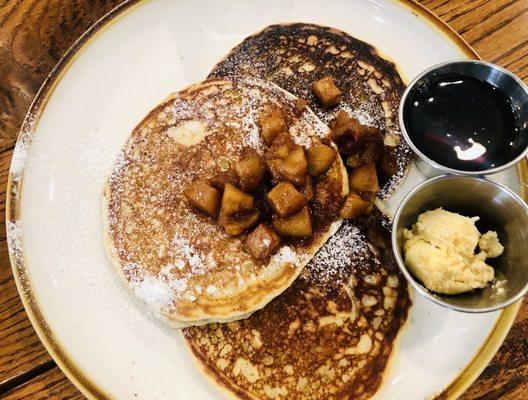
506	82
499	209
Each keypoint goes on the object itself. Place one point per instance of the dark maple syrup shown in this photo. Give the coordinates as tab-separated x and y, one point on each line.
462	122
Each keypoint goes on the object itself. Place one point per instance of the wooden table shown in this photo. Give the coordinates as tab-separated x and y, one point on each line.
33	36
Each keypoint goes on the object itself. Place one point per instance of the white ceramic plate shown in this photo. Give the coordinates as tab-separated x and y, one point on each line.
115	74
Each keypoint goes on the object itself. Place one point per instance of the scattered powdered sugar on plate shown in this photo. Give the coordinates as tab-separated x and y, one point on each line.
21	152
14	239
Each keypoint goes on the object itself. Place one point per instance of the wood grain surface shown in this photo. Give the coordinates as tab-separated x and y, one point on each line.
33	36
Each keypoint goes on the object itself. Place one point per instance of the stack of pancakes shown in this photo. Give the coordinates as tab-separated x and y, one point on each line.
336	300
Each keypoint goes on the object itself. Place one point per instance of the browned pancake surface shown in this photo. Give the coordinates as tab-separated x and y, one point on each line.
295	55
329	336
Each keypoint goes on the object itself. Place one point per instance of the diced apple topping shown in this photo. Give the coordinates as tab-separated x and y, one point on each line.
237	224
354	160
203	196
281	152
344	124
293	167
371	152
326	92
283	139
364	179
300	105
320	158
354	206
237	211
220	179
285	199
298	225
250	172
262	242
271	123
235	201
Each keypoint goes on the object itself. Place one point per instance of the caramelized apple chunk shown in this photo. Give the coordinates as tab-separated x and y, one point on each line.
298	225
262	242
283	139
364	179
271	123
355	160
281	152
326	92
340	124
354	206
250	172
370	152
293	167
203	196
235	201
300	105
285	199
345	125
236	224
320	158
237	211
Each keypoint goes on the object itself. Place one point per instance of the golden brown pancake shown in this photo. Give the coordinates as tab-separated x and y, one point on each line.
329	336
295	55
174	257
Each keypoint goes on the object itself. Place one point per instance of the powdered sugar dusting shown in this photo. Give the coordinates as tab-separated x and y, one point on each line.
284	255
187	253
349	246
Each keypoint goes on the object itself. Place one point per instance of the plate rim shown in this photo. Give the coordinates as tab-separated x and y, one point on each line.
89	388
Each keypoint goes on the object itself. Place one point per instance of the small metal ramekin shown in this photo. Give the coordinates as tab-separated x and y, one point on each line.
499	209
509	84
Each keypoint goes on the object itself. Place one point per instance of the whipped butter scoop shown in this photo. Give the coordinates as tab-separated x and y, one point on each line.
441	251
